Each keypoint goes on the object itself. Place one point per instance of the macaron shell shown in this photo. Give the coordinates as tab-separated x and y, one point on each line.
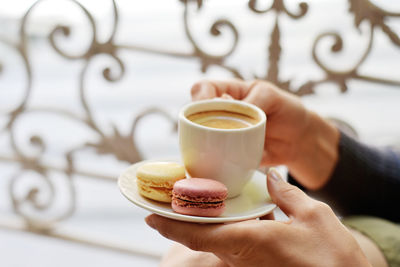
161	172
204	211
201	187
154	193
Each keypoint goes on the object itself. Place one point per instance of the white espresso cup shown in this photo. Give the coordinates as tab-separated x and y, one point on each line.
227	155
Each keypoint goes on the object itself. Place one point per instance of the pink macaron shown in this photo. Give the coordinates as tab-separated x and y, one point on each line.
199	197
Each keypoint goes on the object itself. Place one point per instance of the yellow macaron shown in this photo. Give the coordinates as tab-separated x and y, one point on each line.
155	180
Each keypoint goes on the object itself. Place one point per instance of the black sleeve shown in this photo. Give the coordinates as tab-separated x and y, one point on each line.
365	181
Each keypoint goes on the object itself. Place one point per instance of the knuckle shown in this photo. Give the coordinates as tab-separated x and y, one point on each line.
263	83
315	210
244	230
266	85
197	87
257	82
308	213
203	89
252	231
323	207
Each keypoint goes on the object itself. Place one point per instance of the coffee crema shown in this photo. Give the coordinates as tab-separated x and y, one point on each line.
221	119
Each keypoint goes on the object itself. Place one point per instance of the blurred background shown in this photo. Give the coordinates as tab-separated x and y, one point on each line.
89	87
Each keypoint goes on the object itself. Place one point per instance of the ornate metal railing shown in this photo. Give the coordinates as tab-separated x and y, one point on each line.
122	145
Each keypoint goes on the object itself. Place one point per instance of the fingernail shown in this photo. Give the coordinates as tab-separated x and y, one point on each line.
275	176
149	222
226	96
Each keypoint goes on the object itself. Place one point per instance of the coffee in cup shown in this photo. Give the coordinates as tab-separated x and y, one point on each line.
222	140
222	119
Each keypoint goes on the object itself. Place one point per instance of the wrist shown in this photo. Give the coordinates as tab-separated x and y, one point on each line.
317	153
352	257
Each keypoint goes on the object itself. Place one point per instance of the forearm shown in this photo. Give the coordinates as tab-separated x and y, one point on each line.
317	153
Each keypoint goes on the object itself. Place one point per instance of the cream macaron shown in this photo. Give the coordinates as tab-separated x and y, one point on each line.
155	180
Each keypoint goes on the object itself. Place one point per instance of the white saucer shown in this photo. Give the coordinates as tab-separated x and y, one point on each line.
252	203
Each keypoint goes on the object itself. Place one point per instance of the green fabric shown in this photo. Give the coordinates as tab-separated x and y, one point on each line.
384	233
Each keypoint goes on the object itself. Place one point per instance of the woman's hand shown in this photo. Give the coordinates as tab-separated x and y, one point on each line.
312	237
295	136
181	256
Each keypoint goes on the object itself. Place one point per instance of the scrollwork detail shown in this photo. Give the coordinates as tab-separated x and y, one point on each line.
206	58
279	6
20	51
33	163
34	220
107	71
365	10
66	31
274	48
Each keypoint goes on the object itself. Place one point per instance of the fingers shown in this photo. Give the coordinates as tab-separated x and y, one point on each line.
199	237
260	93
203	90
237	89
290	199
264	95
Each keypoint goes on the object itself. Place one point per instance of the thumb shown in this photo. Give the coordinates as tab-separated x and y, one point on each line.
290	199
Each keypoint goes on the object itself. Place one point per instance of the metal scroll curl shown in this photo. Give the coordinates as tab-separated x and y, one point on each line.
208	59
33	204
274	48
363	11
374	16
279	7
28	204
